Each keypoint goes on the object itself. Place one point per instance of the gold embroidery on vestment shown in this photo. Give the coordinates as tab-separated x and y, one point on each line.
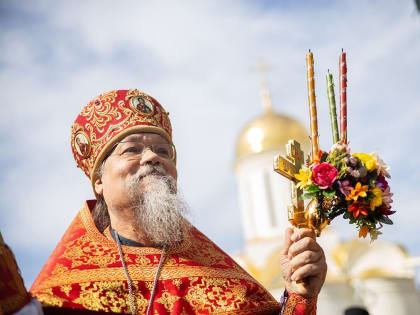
201	276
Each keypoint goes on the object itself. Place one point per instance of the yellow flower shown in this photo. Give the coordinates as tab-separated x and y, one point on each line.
367	159
358	191
377	200
363	231
304	178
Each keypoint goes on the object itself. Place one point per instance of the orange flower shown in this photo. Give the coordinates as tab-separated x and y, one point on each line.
363	231
358	191
358	208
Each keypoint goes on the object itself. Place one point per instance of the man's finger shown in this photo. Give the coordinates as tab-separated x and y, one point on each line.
306	271
305	258
287	241
302	233
302	245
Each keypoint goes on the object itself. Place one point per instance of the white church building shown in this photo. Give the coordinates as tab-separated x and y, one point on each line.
378	276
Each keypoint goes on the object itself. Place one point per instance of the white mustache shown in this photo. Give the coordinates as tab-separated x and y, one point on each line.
150	170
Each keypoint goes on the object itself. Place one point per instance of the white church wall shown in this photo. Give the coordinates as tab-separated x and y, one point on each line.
389	296
262	195
379	255
335	298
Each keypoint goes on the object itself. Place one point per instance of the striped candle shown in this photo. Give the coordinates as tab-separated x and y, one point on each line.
312	104
343	96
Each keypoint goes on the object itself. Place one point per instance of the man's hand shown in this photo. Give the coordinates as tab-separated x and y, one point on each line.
302	259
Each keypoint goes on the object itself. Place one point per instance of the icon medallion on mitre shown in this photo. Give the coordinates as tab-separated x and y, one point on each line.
142	104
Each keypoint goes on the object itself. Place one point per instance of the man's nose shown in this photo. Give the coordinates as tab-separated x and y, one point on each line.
148	156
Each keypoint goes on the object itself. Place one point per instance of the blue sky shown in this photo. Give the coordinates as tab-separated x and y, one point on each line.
195	58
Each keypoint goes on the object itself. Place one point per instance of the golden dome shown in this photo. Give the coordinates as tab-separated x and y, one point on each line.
270	131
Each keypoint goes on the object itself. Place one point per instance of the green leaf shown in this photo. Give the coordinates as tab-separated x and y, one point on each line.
328	194
385	220
333	213
308	196
324	156
372	176
312	188
370	195
342	171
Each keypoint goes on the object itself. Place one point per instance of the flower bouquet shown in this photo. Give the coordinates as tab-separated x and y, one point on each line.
352	185
338	182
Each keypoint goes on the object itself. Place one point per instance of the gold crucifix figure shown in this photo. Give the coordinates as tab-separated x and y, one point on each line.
288	167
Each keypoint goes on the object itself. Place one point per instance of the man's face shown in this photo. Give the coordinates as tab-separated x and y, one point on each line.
118	169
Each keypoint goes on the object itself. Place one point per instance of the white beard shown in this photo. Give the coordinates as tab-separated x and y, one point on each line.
158	208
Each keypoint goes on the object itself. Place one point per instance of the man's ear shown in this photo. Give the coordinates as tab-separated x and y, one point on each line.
99	188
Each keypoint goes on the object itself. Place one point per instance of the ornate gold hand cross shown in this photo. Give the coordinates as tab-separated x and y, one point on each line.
288	167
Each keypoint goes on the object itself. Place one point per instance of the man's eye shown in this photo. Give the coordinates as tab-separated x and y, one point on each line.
131	150
162	151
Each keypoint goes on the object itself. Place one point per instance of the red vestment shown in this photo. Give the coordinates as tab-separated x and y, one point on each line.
13	294
85	272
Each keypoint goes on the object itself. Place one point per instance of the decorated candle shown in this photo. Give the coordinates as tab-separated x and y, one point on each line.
312	104
343	96
331	101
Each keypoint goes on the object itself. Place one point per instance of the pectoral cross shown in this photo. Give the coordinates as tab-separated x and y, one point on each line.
288	167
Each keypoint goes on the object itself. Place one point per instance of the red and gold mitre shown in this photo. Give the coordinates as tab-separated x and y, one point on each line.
109	118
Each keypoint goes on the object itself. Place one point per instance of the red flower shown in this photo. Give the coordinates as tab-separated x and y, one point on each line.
386	210
324	175
358	208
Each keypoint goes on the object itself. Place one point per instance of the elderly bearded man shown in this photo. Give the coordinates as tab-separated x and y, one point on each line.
132	251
